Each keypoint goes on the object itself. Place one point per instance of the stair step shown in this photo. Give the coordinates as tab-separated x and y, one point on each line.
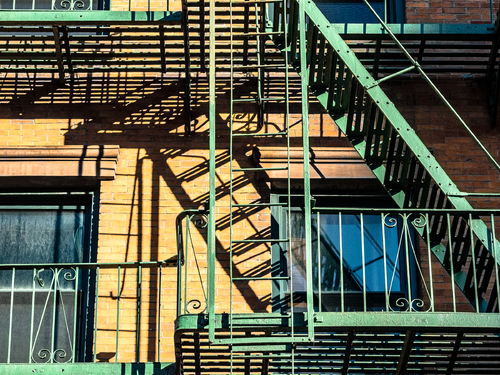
259	134
258	33
256	278
261	205
270	99
260	240
249	67
257	169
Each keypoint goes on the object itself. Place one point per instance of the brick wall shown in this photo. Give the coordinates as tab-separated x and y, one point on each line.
444	11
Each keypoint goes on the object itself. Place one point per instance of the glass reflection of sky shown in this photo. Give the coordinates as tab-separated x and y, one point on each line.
328	266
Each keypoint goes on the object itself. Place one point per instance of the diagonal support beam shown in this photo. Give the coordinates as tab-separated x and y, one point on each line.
347	355
405	352
67	49
57	45
454	355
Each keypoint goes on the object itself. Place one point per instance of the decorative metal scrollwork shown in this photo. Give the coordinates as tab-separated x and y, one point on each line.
419	221
72	5
406	251
200	221
195	304
406	305
57	355
389	221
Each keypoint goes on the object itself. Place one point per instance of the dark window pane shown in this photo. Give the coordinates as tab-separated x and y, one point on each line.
350	12
38	306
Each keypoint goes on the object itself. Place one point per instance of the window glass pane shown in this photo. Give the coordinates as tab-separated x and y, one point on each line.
41	302
350	12
355	243
39	236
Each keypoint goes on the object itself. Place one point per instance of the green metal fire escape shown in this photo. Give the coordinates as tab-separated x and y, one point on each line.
264	42
461	239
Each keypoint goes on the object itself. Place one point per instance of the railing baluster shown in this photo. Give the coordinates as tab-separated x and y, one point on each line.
159	310
32	315
318	240
341	264
406	230
75	305
9	343
96	310
452	268
138	324
363	263
494	251
117	314
54	308
186	257
473	262
429	259
384	250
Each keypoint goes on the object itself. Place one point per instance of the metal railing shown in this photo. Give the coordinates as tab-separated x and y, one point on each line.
404	260
80	5
191	277
386	260
82	312
63	5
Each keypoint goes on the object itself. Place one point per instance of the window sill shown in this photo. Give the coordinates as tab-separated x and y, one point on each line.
326	163
97	162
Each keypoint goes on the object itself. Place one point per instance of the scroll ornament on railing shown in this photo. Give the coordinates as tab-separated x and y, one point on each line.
194	307
54	355
72	4
406	248
187	249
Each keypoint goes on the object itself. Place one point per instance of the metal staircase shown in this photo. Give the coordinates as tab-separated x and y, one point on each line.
459	238
463	240
392	150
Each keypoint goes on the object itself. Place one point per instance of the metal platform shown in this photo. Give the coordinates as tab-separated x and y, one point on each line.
344	343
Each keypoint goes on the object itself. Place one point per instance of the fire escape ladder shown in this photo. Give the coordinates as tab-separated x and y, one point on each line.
248	48
395	154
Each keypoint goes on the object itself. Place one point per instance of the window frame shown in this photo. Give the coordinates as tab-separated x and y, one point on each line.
77	201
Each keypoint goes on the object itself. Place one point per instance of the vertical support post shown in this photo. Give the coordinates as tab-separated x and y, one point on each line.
307	186
211	177
138	324
96	310
159	310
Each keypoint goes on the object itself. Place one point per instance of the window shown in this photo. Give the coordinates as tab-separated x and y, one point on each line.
351	251
44	307
355	11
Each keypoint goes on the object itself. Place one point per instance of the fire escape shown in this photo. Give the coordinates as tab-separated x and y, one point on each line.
287	45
